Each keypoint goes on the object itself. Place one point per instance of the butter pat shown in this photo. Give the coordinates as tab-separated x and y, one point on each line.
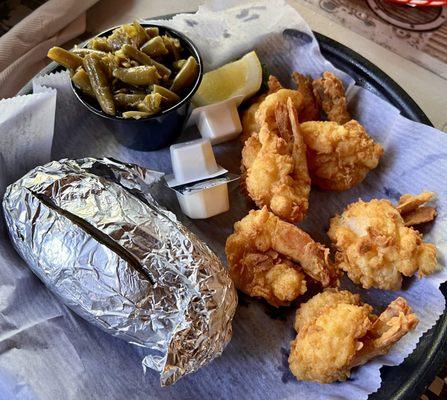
205	203
193	161
201	185
218	122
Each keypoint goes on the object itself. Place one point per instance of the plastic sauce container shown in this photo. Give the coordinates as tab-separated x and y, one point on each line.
219	122
205	203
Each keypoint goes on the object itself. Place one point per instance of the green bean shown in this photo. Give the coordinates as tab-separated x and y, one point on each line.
98	80
82	81
130	70
171	97
144	59
135	114
142	75
185	76
110	62
125	100
151	103
82	51
179	64
99	43
173	45
141	35
152	31
133	34
155	47
65	58
130	90
121	36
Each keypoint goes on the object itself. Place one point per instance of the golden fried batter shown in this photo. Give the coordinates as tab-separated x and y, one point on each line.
267	258
337	332
330	93
339	156
266	113
303	98
375	248
274	165
413	208
311	310
248	120
310	110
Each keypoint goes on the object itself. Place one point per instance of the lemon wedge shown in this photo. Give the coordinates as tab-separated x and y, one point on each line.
241	77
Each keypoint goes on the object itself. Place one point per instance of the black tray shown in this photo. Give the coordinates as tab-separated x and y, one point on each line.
408	380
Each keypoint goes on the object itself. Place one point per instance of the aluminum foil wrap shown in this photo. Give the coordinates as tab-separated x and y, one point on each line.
90	230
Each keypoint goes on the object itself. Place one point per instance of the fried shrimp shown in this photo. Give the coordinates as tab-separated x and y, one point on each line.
269	258
310	110
337	332
274	164
248	120
303	98
339	156
375	248
330	93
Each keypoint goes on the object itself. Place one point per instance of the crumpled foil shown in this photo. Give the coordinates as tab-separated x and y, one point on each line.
92	233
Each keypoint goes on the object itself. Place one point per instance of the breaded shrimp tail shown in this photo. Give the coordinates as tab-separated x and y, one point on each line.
310	110
269	258
330	93
395	322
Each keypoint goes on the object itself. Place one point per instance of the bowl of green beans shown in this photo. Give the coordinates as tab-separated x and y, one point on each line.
139	78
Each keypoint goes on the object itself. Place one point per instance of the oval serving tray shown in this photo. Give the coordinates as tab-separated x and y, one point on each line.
408	380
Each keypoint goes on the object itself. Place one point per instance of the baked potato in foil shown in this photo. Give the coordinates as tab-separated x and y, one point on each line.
92	233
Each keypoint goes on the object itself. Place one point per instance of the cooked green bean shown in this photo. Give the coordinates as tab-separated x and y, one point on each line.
141	35
151	103
130	90
136	114
125	100
121	36
82	51
138	70
152	31
82	81
173	46
155	47
166	93
142	75
178	65
65	58
110	62
99	82
185	76
144	59
99	43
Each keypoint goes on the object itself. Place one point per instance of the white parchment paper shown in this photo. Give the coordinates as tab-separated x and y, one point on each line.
46	352
26	132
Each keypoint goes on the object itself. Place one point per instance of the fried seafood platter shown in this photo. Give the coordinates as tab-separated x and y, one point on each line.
300	142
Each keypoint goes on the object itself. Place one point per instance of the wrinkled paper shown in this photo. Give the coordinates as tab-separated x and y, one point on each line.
48	352
26	132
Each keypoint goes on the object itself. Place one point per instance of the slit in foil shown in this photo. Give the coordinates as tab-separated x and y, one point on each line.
96	233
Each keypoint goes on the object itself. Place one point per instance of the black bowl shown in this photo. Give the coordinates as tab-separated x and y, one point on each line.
160	130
